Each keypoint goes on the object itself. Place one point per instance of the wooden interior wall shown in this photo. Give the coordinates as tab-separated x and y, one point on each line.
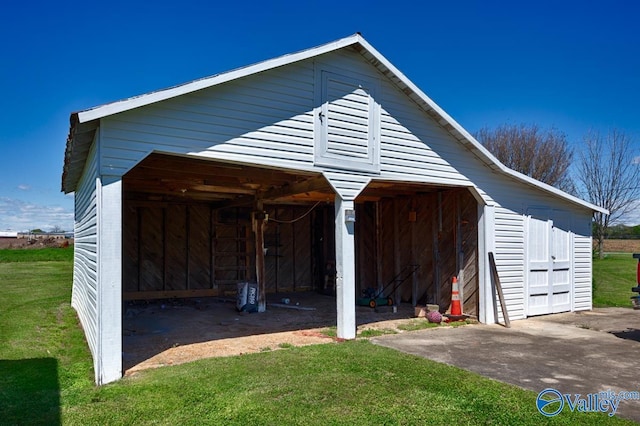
469	244
387	243
423	247
323	248
430	230
176	248
182	250
366	253
288	240
303	254
190	249
447	253
198	248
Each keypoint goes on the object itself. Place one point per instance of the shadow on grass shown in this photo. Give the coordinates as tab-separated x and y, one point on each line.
29	391
631	334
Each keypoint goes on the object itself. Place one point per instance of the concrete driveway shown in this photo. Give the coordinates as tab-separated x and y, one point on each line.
575	353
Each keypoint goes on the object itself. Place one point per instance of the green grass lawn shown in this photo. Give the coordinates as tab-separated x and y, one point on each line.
46	376
613	278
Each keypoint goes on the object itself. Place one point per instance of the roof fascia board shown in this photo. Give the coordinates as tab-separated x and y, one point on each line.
161	95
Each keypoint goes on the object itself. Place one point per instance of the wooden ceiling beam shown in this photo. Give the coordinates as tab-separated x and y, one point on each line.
214	169
314	184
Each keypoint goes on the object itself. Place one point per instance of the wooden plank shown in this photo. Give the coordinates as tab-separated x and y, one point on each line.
413	217
151	249
176	253
225	241
168	294
378	245
387	241
496	278
423	248
435	235
403	206
313	184
199	247
130	247
365	247
286	250
272	244
469	248
302	262
259	246
447	244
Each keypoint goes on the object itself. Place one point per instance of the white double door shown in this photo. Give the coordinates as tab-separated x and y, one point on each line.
549	259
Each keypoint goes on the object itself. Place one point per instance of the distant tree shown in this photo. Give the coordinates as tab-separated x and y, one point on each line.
608	174
37	231
542	154
57	230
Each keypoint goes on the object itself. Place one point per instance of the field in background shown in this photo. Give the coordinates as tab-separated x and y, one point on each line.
622	246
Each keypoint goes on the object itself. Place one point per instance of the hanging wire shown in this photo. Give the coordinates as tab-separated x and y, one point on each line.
297	219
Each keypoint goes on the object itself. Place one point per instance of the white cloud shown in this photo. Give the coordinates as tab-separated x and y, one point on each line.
24	187
19	215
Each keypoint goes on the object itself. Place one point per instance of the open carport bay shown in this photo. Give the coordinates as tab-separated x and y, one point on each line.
575	353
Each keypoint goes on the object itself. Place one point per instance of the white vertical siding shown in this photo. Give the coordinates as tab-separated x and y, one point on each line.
85	279
582	270
510	260
108	358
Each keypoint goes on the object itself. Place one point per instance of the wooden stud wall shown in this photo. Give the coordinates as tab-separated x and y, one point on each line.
420	229
288	240
182	250
190	249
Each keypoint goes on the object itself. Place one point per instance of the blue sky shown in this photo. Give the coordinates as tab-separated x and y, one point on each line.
573	65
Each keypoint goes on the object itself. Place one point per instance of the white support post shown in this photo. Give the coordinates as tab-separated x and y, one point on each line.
488	310
108	362
345	270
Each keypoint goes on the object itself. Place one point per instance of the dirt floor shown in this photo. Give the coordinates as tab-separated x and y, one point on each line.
158	333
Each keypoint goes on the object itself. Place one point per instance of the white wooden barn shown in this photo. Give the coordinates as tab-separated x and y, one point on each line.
175	191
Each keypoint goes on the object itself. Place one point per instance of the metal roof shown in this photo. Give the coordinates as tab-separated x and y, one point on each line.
84	123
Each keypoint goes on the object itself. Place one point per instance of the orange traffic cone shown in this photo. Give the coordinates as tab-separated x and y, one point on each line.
456	307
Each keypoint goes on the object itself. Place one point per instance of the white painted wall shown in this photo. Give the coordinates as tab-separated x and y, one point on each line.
345	270
97	275
84	296
109	310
